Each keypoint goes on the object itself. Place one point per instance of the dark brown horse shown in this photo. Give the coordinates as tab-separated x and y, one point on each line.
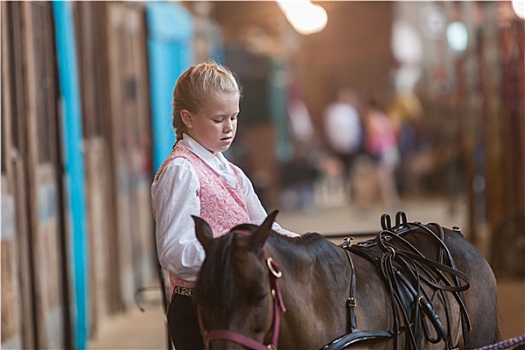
422	287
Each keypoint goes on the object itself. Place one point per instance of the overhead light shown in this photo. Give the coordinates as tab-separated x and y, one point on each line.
304	16
519	8
457	36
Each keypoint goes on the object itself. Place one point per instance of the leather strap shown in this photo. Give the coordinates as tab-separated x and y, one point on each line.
404	268
352	302
235	338
355	335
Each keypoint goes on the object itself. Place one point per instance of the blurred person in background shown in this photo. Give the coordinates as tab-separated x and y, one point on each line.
405	112
344	132
381	146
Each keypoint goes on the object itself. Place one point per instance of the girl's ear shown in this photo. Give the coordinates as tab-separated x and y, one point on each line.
186	117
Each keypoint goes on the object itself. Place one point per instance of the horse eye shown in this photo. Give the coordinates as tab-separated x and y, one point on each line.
258	298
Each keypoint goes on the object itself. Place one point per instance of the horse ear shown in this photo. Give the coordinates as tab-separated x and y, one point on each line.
263	232
203	232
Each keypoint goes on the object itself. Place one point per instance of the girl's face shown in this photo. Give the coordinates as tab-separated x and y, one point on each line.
215	125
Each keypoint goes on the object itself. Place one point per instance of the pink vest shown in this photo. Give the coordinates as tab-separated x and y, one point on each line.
222	206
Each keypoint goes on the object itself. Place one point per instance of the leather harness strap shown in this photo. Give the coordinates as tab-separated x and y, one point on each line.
355	335
351	302
403	269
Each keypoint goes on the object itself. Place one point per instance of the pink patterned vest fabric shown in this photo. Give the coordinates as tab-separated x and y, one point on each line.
222	206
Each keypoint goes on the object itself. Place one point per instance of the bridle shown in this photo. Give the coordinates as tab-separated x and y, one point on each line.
241	339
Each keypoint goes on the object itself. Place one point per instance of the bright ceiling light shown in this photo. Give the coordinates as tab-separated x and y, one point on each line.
519	8
305	17
457	36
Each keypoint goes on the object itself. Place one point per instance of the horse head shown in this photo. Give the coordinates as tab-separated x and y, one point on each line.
237	292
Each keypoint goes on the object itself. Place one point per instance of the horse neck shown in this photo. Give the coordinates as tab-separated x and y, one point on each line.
308	258
314	269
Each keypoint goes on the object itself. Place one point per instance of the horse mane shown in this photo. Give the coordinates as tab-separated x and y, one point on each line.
304	240
217	282
310	243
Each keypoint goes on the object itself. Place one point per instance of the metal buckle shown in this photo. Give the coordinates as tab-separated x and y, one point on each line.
352	302
183	291
275	271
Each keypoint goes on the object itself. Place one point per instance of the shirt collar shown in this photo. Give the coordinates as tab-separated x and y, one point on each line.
214	160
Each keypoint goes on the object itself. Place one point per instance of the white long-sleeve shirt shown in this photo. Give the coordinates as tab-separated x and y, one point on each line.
175	199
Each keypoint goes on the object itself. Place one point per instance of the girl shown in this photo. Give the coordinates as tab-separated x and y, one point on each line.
196	179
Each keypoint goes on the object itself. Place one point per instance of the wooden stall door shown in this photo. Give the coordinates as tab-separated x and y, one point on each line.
131	145
33	200
15	301
48	228
90	19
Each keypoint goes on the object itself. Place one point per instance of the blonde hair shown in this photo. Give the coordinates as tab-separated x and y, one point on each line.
196	86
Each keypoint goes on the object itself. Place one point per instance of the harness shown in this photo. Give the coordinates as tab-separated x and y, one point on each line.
403	269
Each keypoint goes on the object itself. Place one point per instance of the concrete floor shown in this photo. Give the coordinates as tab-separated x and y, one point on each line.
147	330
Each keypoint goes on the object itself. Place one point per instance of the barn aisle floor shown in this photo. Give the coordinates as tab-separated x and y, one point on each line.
146	330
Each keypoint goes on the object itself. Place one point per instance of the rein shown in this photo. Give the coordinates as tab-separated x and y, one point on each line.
278	307
403	269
